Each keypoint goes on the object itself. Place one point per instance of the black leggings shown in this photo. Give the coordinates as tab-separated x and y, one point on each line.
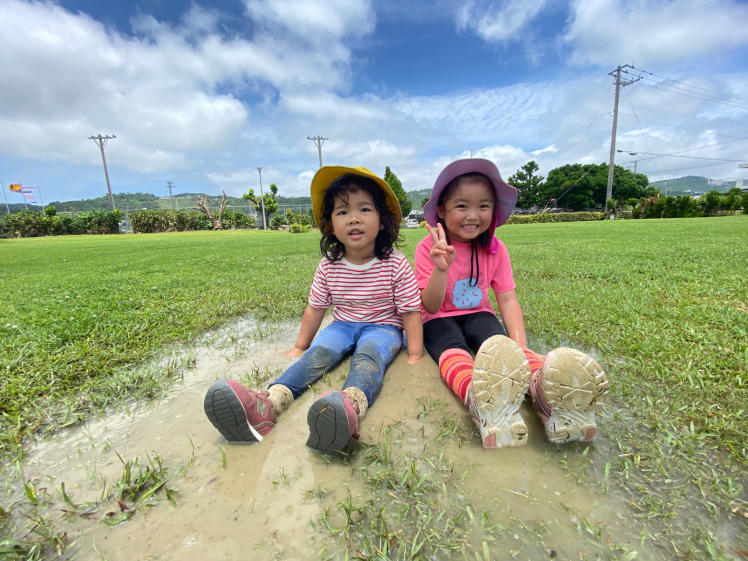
465	332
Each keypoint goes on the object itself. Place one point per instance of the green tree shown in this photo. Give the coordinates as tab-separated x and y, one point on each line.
528	185
733	200
712	203
574	186
397	188
269	199
582	186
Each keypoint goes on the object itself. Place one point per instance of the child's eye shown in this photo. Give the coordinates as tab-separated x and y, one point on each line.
340	213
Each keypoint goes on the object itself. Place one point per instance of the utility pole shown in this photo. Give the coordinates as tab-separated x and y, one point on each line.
170	184
262	201
619	84
101	142
319	141
7	208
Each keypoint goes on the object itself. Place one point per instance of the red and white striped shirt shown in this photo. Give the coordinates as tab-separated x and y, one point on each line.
375	292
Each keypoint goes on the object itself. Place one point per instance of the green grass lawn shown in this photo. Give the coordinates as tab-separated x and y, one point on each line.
662	303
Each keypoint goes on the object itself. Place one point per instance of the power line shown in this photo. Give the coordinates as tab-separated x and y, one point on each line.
676	155
681	169
689	90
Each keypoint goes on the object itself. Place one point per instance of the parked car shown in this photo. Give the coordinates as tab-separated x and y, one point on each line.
411	223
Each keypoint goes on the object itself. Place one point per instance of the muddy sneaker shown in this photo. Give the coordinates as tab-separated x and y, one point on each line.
501	377
568	393
333	423
241	415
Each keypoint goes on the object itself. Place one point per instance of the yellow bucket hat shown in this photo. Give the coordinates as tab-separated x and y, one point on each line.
327	174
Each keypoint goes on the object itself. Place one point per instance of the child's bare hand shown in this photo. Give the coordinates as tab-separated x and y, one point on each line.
413	359
296	351
442	254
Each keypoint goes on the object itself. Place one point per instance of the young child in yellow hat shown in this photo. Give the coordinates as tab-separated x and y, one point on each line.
374	295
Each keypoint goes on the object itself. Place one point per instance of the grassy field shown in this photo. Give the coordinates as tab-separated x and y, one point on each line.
663	302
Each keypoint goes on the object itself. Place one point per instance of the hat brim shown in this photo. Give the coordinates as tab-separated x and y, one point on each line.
506	195
327	174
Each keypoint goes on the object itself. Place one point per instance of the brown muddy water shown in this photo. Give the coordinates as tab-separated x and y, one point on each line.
279	499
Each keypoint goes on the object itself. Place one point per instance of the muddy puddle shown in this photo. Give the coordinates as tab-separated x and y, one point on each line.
419	481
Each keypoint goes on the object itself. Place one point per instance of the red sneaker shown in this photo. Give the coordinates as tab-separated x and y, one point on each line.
241	415
333	423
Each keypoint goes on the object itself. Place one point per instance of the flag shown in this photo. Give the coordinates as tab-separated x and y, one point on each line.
15	187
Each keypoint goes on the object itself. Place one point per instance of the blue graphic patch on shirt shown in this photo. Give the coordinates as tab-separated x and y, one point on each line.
465	296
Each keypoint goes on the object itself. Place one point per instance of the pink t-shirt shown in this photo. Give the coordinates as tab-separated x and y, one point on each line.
461	298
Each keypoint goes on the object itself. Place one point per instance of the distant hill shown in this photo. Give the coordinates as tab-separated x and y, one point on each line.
691	185
139	201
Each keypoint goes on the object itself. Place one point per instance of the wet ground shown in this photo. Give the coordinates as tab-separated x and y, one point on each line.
280	500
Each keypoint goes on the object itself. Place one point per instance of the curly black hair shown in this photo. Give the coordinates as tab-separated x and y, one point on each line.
388	236
484	239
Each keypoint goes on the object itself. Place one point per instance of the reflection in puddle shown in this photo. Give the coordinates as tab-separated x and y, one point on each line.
419	482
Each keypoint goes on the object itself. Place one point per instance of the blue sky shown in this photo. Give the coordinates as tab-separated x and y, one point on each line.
202	93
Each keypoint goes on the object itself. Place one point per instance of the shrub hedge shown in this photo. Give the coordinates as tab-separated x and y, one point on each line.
555	217
166	220
30	224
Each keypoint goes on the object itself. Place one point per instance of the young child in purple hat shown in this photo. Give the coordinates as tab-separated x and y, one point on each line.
455	266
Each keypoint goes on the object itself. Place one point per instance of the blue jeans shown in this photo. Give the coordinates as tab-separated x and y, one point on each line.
373	346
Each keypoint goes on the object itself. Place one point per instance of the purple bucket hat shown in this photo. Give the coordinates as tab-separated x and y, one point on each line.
506	195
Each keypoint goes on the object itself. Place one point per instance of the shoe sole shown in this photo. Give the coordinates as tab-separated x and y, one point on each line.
224	409
501	378
575	388
329	432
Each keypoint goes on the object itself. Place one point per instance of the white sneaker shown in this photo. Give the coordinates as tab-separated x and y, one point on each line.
501	377
568	393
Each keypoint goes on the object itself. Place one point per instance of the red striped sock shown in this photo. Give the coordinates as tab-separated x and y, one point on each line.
536	369
456	367
536	361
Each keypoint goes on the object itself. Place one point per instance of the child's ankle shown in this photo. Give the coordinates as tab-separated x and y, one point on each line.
281	397
359	400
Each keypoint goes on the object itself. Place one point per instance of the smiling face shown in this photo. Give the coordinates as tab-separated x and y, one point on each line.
356	224
468	210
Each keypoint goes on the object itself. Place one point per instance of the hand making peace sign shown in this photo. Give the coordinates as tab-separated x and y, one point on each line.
442	254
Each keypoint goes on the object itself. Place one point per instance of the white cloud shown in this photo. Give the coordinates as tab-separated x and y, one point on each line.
192	104
499	22
645	32
314	21
485	115
169	93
